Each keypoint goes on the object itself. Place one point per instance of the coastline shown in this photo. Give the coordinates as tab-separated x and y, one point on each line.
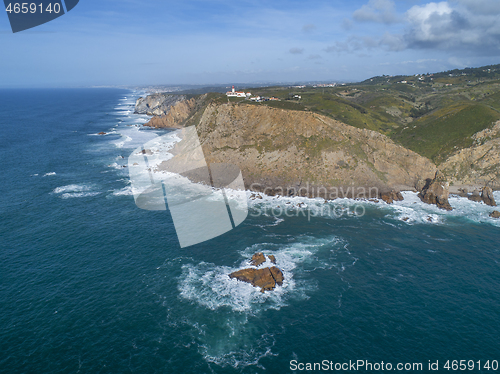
342	195
410	210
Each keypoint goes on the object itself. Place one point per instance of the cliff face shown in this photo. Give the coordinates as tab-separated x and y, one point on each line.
280	149
157	104
277	150
478	165
178	113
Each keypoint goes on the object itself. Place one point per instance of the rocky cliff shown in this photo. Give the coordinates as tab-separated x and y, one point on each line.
436	191
298	152
478	165
178	113
157	104
301	152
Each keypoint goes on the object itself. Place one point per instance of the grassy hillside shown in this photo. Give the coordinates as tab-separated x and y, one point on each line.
431	114
434	115
446	130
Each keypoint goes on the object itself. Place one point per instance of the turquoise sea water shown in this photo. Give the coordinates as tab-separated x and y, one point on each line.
89	283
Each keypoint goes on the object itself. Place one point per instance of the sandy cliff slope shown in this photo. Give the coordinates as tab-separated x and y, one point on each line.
478	165
280	149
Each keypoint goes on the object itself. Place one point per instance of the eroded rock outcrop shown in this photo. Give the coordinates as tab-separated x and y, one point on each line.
181	113
390	197
487	196
436	191
176	115
495	214
266	278
475	196
258	259
157	104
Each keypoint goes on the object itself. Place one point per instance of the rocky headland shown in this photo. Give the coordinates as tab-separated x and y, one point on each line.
170	111
157	104
284	152
302	153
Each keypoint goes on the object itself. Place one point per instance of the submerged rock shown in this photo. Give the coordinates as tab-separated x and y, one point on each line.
475	197
495	214
265	278
487	196
390	197
463	192
436	191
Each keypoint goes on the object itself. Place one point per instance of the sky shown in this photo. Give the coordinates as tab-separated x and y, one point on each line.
161	42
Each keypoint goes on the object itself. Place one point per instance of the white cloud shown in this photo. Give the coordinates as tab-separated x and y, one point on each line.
432	22
296	51
463	26
455	25
393	42
382	11
486	7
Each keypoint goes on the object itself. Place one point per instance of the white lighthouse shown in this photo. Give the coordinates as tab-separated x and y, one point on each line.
234	93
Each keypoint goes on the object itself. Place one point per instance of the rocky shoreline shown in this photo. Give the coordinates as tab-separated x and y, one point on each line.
296	153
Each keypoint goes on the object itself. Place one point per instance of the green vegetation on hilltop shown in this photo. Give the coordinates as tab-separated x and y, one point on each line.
440	133
431	114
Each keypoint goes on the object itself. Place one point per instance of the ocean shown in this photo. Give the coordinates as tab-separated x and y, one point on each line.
90	283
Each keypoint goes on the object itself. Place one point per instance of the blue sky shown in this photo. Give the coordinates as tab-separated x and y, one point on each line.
141	42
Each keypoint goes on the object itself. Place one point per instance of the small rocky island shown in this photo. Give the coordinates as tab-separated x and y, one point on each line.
265	278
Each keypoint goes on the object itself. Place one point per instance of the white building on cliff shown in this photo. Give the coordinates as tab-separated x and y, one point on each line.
234	93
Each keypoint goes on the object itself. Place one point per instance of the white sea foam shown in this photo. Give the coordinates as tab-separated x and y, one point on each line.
243	357
411	210
134	136
210	286
226	332
49	174
78	194
124	139
126	191
124	112
283	206
73	188
116	166
112	132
